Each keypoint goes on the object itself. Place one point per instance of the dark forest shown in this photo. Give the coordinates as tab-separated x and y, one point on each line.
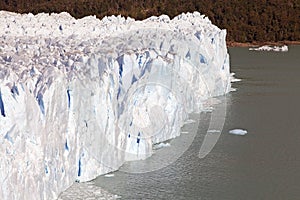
246	21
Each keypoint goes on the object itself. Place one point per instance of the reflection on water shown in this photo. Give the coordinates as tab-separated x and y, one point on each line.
263	164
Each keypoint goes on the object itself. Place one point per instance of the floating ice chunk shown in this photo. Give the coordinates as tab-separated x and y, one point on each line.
109	175
235	80
184	132
238	132
283	48
207	109
213	131
161	145
233	89
189	121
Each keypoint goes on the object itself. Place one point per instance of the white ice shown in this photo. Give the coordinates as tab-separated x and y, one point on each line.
161	145
283	48
78	98
189	121
109	175
184	132
213	131
238	132
233	89
235	80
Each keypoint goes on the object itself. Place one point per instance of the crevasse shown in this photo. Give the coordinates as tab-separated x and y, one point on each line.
78	98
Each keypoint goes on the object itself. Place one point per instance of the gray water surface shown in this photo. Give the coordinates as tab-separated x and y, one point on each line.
264	164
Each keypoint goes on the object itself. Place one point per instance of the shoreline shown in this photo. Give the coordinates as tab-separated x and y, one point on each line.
258	44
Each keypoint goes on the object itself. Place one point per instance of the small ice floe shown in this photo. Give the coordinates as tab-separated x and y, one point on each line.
233	89
209	104
184	132
214	131
161	145
189	121
238	132
109	175
117	196
283	48
233	80
207	109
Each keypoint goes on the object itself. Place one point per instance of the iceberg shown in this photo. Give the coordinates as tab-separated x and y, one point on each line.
78	98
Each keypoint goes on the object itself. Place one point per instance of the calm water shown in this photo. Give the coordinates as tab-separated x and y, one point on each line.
264	164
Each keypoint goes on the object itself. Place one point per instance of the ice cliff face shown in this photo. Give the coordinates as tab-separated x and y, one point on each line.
80	97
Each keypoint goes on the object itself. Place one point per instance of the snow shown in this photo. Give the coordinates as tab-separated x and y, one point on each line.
238	132
283	48
78	98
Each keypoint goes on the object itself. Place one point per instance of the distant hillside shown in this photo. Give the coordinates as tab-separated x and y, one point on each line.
245	20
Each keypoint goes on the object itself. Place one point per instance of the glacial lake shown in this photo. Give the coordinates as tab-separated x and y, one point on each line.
263	164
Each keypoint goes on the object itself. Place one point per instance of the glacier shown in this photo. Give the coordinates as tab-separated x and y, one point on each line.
79	97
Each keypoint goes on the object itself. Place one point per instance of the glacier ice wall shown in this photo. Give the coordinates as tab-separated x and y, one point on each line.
80	97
